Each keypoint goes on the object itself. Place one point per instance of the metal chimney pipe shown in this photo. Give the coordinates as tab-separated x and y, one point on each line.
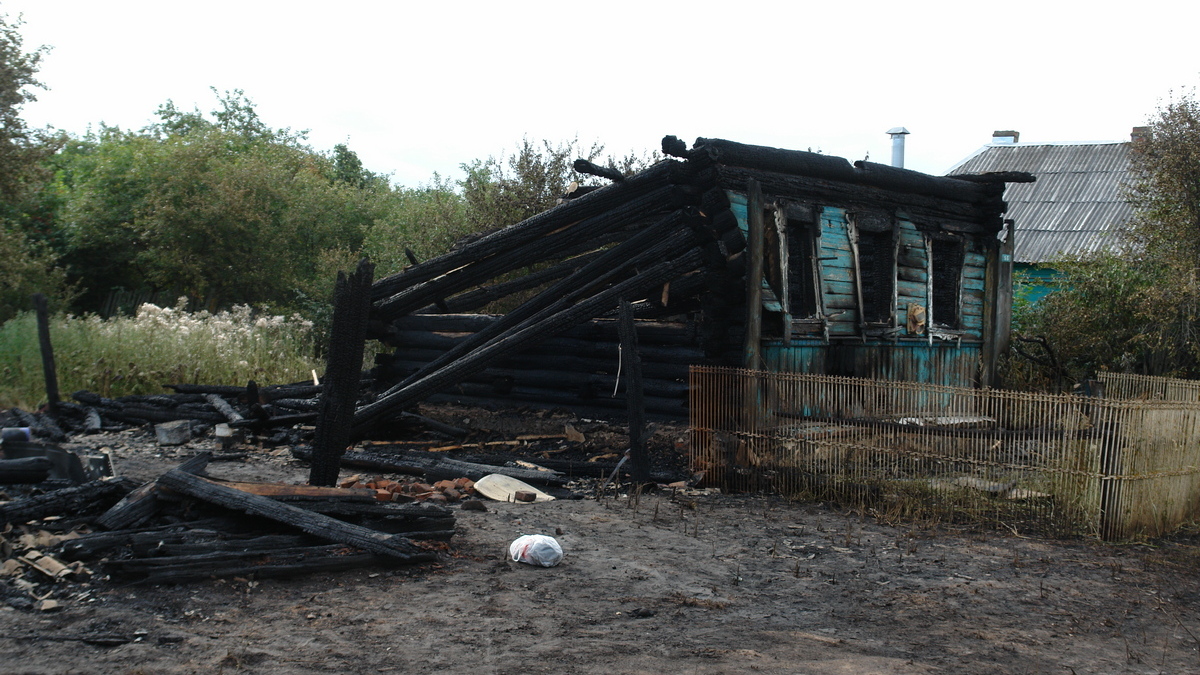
898	134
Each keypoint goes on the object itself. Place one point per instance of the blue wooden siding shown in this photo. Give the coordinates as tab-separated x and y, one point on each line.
952	358
942	362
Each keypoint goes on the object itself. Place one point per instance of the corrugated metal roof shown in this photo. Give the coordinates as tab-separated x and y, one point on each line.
1075	206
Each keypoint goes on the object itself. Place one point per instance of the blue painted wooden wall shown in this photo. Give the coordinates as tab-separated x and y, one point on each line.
839	345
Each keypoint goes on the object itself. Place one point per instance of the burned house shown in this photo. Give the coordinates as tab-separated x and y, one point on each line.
727	254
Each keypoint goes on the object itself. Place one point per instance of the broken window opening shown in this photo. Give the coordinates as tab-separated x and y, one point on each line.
947	255
802	276
877	274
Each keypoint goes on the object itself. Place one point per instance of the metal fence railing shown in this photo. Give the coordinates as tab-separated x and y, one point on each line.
1060	464
1127	386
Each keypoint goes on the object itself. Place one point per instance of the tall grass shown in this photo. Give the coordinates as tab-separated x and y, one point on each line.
160	345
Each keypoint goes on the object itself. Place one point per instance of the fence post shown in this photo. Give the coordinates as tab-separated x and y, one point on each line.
48	369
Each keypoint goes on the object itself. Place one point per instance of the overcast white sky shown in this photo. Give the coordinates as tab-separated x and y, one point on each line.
416	88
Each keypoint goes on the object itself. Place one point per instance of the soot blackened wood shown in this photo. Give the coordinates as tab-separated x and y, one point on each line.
633	394
142	503
352	305
259	564
524	336
329	529
47	349
606	266
837	169
24	471
222	406
529	230
547	248
584	166
73	501
483	295
438	468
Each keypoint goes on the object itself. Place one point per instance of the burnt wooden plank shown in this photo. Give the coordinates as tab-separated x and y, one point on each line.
142	503
329	529
347	337
75	501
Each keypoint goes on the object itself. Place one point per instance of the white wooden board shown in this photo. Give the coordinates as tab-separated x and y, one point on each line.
502	488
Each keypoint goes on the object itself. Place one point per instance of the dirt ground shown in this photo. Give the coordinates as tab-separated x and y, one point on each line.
665	582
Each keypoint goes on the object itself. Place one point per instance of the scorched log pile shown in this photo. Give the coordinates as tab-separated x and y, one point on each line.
651	240
185	526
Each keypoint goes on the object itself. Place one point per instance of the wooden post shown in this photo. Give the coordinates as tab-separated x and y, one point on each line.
343	369
998	299
48	369
754	275
634	399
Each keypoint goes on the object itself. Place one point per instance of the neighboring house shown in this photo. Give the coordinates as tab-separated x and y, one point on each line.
731	254
1077	205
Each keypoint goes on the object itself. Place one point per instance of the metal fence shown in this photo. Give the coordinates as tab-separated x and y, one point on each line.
1149	387
1058	464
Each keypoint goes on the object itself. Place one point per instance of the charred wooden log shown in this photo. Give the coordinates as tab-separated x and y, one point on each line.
531	331
258	564
497	262
598	202
352	305
24	471
267	394
47	351
831	168
484	295
318	525
646	247
586	167
437	468
142	503
81	500
223	407
633	395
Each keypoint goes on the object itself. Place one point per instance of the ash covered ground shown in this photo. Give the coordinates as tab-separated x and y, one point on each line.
678	581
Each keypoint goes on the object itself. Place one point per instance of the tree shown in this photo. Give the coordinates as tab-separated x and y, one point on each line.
26	223
1139	311
222	208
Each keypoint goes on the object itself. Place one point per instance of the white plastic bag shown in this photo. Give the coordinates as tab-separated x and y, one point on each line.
536	549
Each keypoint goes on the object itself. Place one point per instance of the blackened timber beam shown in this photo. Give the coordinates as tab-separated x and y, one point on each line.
47	349
481	394
73	501
531	229
420	343
438	468
798	162
329	529
472	300
612	264
142	503
978	218
600	303
222	406
648	246
754	276
632	365
501	377
546	247
24	471
592	169
351	309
